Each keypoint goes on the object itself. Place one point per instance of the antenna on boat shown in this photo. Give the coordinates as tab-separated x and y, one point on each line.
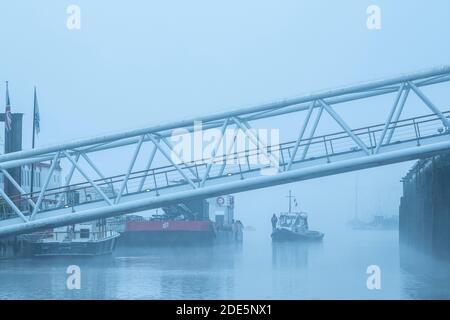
290	196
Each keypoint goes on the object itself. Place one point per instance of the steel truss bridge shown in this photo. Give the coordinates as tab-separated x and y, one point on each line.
156	183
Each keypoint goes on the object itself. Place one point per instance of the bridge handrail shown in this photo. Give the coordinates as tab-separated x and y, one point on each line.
165	170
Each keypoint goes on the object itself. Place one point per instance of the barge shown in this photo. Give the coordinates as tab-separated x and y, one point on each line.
84	239
192	222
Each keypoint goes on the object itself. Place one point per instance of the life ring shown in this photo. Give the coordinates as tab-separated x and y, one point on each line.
220	201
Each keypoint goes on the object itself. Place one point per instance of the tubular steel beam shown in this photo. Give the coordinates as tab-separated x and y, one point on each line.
229	151
92	164
430	104
230	187
311	135
300	135
169	158
147	167
171	147
18	187
130	168
389	118
213	153
327	99
247	131
344	126
397	115
69	177
86	176
445	70
12	205
45	186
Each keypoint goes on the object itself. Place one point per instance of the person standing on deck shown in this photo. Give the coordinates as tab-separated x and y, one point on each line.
274	222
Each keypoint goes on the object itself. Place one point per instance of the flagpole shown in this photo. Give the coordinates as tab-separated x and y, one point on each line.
6	127
32	141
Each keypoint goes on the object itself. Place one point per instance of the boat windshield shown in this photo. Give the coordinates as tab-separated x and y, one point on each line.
297	221
288	220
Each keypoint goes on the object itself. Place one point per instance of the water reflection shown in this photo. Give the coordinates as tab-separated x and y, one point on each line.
257	269
194	272
424	277
46	278
291	262
289	255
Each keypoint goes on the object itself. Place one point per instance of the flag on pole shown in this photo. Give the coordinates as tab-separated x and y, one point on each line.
8	116
36	116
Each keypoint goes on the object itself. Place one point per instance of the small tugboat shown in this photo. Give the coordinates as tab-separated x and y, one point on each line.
293	226
84	239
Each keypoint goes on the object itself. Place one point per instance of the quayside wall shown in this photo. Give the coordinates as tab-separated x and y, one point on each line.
425	207
11	247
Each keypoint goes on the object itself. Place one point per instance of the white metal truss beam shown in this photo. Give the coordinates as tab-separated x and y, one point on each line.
130	168
344	94
344	126
237	186
300	135
86	176
202	177
429	104
397	115
256	141
311	134
226	157
69	177
147	167
213	153
168	156
389	118
178	158
13	205
18	187
45	186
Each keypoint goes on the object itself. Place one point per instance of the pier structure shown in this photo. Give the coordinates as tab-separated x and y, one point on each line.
425	208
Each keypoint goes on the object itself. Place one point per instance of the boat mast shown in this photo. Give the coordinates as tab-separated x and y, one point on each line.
290	199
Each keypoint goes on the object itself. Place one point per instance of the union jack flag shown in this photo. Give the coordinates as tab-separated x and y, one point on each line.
8	116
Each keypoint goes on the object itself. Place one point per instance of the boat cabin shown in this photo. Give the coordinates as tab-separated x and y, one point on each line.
296	221
82	232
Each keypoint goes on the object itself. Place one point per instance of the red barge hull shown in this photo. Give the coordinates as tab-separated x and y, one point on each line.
167	232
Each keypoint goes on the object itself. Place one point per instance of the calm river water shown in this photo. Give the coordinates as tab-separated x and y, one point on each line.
257	269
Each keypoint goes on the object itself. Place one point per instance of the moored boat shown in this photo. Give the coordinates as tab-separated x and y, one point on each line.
293	226
378	222
284	234
160	231
85	239
194	222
